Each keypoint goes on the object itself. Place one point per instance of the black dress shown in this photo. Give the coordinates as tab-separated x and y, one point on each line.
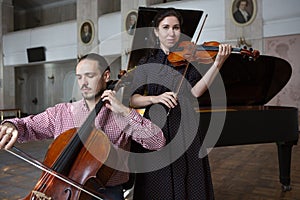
187	176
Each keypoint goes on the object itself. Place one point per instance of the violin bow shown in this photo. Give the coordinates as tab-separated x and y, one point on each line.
194	49
187	64
198	37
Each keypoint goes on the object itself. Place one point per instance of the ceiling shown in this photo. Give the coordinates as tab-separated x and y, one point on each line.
32	4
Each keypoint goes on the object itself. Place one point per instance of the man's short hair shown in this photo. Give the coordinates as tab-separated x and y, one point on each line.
102	63
240	1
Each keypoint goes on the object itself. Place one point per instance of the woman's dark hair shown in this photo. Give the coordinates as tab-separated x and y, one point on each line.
166	13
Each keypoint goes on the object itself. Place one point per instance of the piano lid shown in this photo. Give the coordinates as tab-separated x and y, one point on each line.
191	20
251	82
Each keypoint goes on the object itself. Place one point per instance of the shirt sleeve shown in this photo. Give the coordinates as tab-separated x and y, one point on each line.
143	131
35	127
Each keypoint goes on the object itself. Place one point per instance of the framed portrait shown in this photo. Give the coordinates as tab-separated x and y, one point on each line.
243	12
86	32
130	22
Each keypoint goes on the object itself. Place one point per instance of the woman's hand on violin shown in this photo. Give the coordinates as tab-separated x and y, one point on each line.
112	103
168	98
8	135
223	53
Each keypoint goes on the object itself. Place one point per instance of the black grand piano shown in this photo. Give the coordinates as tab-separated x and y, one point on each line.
248	86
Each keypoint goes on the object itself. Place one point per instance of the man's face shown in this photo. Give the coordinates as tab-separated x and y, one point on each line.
90	79
243	5
132	20
86	29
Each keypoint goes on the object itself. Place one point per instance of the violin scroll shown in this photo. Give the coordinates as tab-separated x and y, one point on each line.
251	54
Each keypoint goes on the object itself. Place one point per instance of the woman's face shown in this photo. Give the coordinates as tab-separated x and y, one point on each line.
168	32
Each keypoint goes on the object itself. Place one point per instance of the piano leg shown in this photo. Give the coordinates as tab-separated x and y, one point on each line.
284	158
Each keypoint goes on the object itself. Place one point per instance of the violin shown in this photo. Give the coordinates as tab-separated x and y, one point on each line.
206	53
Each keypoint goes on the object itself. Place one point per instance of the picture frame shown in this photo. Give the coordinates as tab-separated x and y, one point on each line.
87	32
131	21
243	12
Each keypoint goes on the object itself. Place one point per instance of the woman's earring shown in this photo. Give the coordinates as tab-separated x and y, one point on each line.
157	41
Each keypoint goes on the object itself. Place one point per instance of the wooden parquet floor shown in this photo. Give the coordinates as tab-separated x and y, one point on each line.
250	172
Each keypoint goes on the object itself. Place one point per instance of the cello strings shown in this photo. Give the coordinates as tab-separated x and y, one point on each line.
45	178
41	166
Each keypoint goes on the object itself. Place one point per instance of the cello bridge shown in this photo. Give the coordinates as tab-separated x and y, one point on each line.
40	196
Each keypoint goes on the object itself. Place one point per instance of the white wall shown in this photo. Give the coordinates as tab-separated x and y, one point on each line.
109	34
279	18
59	41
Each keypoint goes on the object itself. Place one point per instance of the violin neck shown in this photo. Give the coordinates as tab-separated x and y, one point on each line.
214	48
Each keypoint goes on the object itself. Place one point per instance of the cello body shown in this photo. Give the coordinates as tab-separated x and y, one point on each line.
87	169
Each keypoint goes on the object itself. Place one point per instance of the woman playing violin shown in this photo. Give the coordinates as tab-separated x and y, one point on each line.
121	124
155	86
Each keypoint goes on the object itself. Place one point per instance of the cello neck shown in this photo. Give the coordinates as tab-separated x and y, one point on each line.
67	157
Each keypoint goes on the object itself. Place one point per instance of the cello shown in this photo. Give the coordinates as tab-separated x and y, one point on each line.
74	162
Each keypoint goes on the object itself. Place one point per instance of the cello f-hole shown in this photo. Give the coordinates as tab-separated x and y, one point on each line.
70	193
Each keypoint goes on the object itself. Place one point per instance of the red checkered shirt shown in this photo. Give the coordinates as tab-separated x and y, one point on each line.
120	130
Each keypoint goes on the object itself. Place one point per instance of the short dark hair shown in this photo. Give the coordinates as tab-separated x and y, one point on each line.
102	63
239	2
